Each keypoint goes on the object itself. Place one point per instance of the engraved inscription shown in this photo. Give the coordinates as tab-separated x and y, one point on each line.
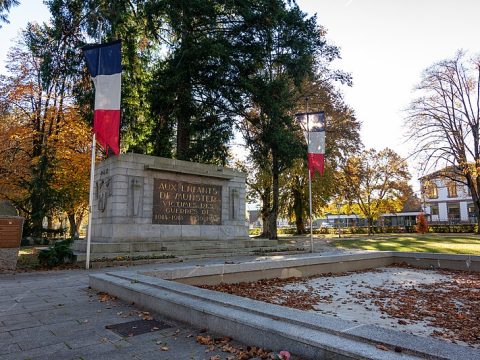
183	203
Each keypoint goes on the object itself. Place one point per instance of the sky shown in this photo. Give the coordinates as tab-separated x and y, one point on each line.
385	45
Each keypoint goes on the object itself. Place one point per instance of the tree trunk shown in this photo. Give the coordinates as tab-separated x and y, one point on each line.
39	192
264	212
183	127
370	226
273	214
476	200
183	137
298	209
184	106
50	227
37	215
73	226
79	216
474	184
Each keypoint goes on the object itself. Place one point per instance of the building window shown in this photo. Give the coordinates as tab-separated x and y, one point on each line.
431	190
453	213
472	216
434	210
452	189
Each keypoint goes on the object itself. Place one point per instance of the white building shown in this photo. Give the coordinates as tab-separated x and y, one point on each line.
446	201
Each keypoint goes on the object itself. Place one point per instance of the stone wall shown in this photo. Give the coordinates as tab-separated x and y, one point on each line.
125	192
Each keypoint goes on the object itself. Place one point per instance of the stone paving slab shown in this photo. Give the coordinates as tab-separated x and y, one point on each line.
53	315
260	323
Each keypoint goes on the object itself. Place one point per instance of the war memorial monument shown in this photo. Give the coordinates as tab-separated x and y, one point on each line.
145	205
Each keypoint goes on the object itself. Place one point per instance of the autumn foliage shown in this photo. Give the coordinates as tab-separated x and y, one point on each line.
44	152
422	224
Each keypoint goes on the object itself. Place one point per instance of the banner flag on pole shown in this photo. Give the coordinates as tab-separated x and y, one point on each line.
315	136
104	62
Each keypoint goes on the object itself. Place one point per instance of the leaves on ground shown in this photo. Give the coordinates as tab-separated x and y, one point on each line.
104	297
452	305
237	352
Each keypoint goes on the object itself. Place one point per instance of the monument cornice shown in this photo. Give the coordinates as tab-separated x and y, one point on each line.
217	175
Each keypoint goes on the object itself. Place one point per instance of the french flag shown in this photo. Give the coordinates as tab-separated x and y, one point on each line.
315	136
104	62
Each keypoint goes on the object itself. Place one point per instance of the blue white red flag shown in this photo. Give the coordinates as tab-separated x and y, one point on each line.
314	133
104	62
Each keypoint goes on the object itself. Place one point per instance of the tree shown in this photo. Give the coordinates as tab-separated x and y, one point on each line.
342	138
191	88
33	98
71	177
127	20
294	197
284	46
5	6
422	225
259	188
374	183
444	122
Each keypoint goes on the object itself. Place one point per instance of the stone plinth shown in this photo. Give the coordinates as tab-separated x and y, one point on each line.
8	259
145	204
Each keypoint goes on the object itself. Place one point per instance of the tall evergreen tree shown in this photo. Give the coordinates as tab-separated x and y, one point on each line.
192	94
5	6
284	45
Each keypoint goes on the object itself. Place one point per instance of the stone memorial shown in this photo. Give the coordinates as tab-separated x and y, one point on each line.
145	205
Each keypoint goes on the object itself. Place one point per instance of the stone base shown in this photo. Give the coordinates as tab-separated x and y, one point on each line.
193	248
8	259
177	248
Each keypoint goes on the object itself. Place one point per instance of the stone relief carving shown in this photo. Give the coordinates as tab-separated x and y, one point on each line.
135	196
104	191
234	204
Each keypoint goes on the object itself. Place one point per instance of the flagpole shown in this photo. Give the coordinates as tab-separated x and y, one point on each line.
309	182
90	201
92	176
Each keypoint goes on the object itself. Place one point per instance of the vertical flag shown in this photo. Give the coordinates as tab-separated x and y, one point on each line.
315	136
104	62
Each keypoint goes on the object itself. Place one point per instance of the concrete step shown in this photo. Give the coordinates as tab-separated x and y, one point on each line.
188	253
81	246
309	335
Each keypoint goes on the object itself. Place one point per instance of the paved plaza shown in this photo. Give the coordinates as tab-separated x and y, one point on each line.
53	315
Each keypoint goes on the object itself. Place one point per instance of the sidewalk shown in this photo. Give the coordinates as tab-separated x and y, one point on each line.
53	315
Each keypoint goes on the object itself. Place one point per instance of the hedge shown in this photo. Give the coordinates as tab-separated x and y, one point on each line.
459	228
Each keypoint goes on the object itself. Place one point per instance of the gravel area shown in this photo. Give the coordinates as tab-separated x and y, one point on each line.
443	304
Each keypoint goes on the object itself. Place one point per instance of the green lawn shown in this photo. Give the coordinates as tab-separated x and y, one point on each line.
438	243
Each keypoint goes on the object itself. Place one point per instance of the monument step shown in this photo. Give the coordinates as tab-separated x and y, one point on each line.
96	247
186	253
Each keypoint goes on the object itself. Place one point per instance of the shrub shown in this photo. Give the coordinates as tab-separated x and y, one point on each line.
422	225
58	253
459	228
254	231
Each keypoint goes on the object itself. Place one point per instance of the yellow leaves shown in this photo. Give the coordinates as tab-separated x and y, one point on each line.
64	137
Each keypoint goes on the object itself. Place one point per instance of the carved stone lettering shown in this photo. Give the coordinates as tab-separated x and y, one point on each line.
183	203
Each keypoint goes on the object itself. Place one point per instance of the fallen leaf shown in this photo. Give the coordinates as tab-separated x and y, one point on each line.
381	347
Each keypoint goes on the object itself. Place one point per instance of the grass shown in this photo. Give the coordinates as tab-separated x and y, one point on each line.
27	259
436	243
